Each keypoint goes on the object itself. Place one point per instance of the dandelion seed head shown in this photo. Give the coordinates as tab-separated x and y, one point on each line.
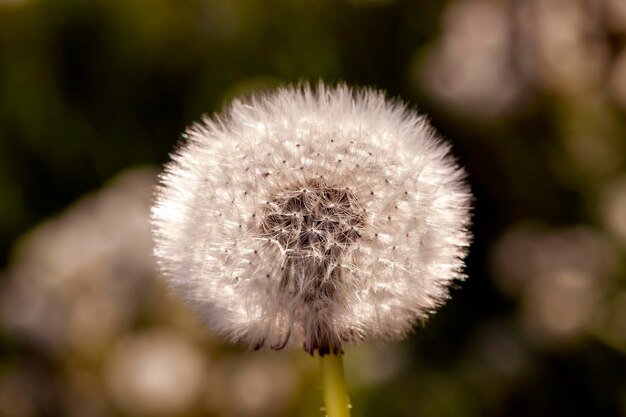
314	217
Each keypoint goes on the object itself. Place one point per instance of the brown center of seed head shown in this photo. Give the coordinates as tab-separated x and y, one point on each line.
314	223
314	220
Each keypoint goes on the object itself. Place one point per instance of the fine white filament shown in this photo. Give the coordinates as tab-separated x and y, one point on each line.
312	216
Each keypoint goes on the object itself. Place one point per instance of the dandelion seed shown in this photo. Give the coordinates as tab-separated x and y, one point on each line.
342	252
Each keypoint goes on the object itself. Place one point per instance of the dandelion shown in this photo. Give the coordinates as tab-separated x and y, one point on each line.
317	217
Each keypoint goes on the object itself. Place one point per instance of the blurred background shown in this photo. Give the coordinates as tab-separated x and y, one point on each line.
94	94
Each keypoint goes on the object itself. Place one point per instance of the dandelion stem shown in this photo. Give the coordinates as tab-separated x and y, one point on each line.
334	386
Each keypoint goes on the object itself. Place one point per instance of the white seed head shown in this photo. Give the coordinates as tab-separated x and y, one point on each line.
312	216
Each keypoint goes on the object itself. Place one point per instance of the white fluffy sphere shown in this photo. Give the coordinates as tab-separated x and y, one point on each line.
313	216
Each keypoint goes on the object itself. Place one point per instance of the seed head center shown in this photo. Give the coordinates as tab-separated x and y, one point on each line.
313	220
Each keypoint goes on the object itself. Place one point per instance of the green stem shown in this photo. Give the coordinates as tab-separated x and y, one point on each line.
334	386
